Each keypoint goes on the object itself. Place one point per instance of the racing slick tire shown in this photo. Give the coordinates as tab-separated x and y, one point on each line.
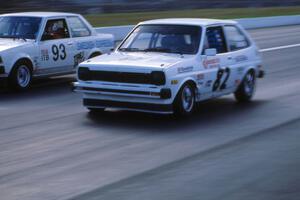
184	104
246	90
21	76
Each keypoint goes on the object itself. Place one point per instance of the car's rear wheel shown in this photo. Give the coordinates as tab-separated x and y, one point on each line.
246	90
184	103
21	76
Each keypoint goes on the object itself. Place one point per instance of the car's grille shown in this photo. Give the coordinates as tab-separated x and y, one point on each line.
156	78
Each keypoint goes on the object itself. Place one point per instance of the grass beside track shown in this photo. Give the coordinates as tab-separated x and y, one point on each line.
115	19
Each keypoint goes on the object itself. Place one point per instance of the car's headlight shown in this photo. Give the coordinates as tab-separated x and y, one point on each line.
158	78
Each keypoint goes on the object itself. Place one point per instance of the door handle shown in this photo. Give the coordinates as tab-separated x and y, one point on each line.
229	58
70	43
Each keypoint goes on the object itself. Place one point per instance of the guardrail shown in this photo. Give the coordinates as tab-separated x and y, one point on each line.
248	23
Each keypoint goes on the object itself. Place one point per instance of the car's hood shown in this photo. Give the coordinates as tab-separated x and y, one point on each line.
6	44
130	60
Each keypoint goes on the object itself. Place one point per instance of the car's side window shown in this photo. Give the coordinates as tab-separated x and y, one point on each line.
78	27
56	29
236	39
215	39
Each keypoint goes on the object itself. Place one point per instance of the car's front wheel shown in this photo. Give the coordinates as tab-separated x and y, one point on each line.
184	103
21	76
246	90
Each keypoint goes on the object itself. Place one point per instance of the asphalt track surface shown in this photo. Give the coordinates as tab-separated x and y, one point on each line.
52	148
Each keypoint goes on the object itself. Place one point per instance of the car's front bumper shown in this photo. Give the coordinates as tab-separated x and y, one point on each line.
134	106
125	97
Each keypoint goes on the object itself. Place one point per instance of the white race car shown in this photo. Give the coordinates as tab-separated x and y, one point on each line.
39	44
167	65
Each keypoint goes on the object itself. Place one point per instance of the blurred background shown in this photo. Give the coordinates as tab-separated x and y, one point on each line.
124	12
112	6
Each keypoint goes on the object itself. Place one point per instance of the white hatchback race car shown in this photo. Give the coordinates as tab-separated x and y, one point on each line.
39	44
167	65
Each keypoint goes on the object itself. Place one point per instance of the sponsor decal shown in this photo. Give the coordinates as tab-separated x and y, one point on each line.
200	76
185	69
208	83
94	44
241	58
240	70
44	55
211	63
200	83
36	61
174	82
78	58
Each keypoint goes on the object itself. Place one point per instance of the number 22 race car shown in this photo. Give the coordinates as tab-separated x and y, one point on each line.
43	44
167	65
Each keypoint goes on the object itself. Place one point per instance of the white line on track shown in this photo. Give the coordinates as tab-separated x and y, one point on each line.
280	47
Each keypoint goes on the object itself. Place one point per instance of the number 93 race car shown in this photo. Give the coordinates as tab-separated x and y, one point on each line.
167	65
43	44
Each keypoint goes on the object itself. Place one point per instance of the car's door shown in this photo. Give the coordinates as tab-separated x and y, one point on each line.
217	71
56	48
238	44
85	42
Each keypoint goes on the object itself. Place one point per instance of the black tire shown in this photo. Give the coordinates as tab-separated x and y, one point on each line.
184	104
246	90
95	54
21	76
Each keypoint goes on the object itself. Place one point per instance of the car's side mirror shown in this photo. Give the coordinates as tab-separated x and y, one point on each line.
210	52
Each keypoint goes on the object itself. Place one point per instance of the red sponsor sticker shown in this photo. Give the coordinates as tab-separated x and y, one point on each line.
212	63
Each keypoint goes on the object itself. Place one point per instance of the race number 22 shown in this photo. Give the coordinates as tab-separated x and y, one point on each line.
59	52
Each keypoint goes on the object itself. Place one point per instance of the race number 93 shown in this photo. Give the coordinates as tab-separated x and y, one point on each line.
59	52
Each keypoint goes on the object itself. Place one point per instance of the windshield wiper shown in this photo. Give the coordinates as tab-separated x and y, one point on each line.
14	37
164	50
129	49
158	50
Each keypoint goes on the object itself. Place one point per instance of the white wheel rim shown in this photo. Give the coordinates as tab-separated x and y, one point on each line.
23	76
249	84
187	98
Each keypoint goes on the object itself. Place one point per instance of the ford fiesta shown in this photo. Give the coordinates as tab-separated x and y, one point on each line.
167	65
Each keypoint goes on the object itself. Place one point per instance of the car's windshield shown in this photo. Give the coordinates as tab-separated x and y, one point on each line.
182	39
19	27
